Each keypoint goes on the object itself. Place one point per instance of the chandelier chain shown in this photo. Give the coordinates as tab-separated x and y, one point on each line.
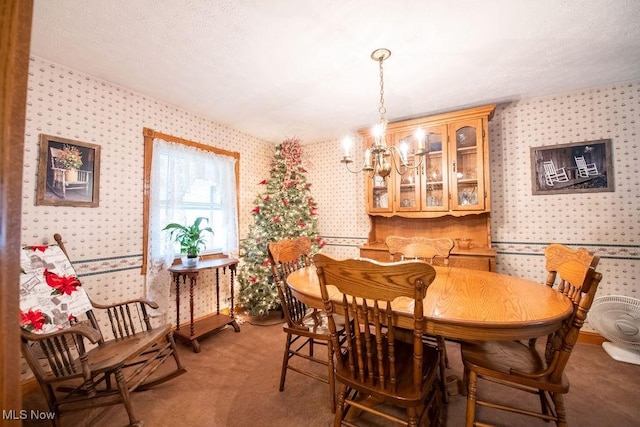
380	159
382	110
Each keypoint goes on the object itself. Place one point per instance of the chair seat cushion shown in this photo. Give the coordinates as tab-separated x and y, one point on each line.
405	394
498	359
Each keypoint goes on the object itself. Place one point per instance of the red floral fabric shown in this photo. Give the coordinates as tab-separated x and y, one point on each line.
50	293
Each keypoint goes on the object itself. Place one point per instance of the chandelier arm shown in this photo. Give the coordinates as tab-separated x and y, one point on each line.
347	161
404	168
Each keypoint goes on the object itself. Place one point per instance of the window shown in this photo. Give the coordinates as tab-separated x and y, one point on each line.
185	180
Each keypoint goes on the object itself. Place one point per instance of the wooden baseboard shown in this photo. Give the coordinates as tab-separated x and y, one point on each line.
591	338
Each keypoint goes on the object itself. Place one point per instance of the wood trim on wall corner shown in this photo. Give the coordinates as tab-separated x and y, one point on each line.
15	40
29	386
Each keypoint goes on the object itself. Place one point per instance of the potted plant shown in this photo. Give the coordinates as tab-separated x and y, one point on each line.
71	160
190	239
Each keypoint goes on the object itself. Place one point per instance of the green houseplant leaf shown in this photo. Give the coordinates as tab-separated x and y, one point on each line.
190	237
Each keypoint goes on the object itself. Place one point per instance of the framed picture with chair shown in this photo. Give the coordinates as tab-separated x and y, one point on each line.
68	172
580	167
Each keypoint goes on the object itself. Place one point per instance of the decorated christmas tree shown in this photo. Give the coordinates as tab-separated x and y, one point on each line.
285	209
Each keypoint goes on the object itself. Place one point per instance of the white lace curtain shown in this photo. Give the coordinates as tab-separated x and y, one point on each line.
181	174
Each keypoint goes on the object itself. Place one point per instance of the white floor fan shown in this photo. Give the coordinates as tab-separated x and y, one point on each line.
617	318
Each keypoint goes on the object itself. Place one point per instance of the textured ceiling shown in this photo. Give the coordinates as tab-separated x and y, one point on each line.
284	68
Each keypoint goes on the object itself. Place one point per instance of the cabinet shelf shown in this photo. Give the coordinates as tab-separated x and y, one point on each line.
464	150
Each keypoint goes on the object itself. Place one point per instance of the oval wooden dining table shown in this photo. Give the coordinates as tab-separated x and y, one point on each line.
466	304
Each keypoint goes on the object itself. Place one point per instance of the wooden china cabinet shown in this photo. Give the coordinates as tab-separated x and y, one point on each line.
448	196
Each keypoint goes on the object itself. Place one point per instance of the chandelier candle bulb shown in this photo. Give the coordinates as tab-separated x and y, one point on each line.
346	143
367	159
378	133
420	138
403	153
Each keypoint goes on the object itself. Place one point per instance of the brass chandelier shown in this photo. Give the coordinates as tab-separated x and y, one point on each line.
376	157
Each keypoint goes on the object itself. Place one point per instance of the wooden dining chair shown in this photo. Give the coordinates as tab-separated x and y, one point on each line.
434	251
77	365
431	250
525	366
305	327
372	361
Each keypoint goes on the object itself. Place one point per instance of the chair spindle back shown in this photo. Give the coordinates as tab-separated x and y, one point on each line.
125	320
572	273
286	256
368	289
420	248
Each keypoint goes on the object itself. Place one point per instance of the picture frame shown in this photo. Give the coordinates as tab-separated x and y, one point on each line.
68	172
580	167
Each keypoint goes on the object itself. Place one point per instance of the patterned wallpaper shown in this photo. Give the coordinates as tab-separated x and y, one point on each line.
105	243
343	221
522	224
606	223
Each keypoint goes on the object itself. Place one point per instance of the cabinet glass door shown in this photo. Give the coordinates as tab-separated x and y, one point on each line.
408	184
435	177
380	194
379	191
467	170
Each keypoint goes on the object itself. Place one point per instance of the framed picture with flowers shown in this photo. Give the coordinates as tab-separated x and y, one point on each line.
68	172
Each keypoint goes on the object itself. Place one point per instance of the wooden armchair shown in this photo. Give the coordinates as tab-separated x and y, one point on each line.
76	366
304	327
520	365
433	251
373	362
